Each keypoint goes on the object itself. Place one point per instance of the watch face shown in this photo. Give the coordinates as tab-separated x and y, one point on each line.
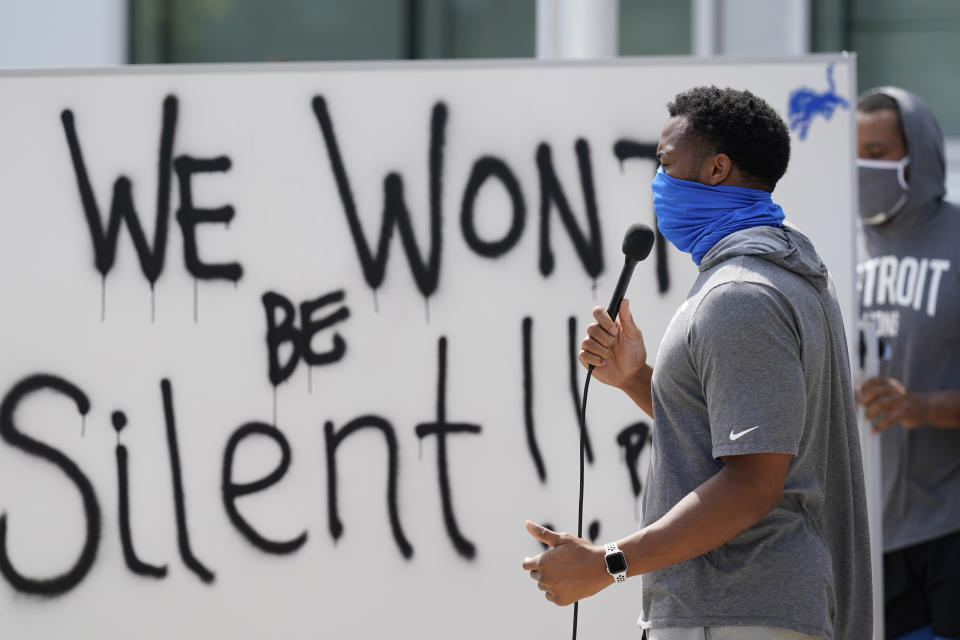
616	562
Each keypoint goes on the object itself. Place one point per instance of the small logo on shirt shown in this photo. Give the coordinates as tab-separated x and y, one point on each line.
740	434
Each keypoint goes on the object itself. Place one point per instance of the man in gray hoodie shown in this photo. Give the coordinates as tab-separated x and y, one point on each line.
909	280
754	516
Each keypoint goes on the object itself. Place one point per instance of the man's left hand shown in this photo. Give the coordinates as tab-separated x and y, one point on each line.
888	402
572	570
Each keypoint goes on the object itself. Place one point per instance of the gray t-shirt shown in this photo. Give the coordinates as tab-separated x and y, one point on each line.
909	281
755	361
918	323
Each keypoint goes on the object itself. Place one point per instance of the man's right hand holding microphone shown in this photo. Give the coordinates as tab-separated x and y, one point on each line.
618	354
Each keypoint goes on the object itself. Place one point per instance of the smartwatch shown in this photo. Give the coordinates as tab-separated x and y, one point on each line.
616	562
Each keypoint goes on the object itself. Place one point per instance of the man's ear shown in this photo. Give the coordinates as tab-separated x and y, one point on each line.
718	169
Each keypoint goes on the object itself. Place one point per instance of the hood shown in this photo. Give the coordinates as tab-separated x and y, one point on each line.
785	247
927	168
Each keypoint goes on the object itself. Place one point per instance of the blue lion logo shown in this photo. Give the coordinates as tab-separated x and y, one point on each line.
805	103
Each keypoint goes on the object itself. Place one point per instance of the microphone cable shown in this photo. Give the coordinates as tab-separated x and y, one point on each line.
583	446
637	242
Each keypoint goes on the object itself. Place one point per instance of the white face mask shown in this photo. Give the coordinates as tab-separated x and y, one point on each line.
883	188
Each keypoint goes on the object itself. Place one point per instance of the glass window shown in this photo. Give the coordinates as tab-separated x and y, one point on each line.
913	45
654	27
262	30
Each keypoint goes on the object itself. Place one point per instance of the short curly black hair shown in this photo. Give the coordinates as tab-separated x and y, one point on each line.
740	125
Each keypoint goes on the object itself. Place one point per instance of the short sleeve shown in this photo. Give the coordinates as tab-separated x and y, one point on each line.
745	345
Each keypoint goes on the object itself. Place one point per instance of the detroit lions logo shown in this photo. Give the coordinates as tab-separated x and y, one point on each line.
805	103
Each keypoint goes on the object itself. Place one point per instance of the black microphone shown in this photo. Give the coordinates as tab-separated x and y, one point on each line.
637	243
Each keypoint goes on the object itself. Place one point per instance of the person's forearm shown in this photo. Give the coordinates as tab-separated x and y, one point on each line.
942	408
708	517
638	388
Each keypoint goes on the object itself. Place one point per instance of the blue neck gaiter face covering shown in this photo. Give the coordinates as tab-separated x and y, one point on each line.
694	216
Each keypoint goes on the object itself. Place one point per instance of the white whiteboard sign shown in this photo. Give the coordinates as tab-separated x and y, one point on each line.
289	351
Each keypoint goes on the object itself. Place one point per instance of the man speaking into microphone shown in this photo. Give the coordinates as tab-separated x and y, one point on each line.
754	518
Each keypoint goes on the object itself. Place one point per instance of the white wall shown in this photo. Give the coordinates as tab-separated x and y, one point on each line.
62	33
577	29
952	150
769	27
